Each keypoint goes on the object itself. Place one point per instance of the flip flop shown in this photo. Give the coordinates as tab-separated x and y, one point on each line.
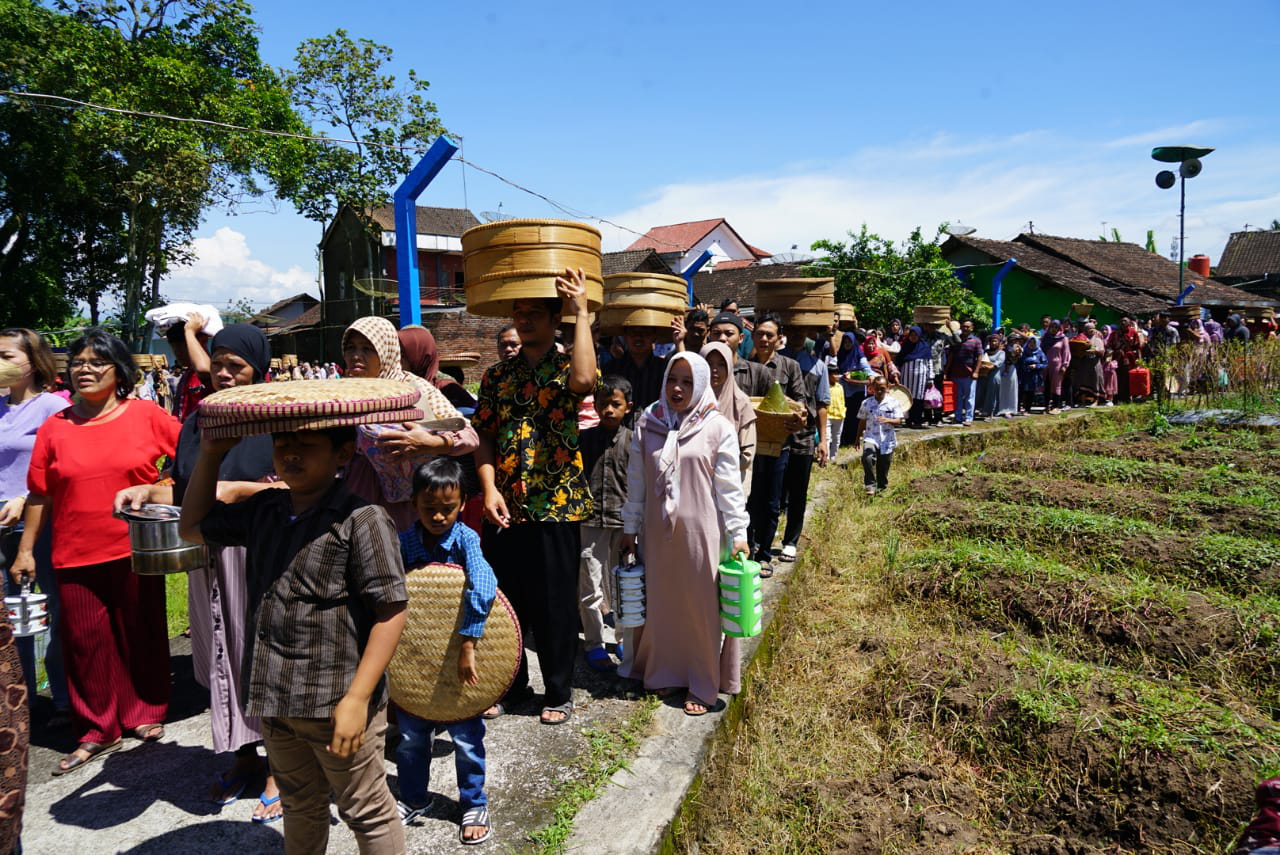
146	732
690	701
566	708
475	817
231	789
599	660
268	802
95	751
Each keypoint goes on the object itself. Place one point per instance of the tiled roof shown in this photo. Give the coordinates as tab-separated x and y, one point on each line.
739	282
680	236
309	318
1131	265
1250	255
266	315
633	261
449	222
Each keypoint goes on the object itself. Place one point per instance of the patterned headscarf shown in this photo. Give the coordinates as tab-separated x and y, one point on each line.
661	418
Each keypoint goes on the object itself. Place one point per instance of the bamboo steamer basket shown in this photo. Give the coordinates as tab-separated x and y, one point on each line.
643	300
796	296
1082	310
1185	312
845	316
513	260
771	428
935	315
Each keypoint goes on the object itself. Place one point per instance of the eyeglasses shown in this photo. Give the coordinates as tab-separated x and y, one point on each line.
92	364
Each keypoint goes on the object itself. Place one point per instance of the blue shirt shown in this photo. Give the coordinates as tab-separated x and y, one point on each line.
461	546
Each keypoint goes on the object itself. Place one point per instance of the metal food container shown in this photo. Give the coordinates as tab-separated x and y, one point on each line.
157	548
28	612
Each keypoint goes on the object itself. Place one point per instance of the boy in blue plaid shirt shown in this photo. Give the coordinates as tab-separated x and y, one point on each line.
438	537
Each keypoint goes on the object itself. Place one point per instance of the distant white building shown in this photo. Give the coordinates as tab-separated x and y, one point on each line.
681	244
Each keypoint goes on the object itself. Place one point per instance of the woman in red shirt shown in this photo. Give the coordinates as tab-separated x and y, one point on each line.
113	625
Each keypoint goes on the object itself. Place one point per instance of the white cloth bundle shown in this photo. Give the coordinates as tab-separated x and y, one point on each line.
176	313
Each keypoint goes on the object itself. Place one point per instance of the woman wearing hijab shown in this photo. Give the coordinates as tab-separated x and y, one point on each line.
1057	354
878	358
382	471
685	510
733	404
421	356
216	595
916	358
1030	373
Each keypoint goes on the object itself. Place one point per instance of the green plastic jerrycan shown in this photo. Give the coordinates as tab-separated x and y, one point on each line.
741	598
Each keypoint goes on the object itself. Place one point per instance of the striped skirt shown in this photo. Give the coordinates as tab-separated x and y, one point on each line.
916	375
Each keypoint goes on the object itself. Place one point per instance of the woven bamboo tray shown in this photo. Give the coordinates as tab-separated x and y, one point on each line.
423	674
1082	310
1185	312
314	398
796	295
771	428
514	260
227	430
901	396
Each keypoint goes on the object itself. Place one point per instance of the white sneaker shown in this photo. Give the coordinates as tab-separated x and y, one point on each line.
788	553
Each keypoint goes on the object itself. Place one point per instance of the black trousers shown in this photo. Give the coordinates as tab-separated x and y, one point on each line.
875	467
765	503
537	568
795	480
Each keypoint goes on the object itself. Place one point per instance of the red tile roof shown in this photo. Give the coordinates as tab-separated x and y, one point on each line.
680	236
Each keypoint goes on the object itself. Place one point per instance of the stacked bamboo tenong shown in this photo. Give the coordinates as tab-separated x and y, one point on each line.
1186	312
643	300
513	260
799	302
846	318
935	315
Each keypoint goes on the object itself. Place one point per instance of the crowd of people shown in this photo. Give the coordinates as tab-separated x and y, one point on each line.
579	454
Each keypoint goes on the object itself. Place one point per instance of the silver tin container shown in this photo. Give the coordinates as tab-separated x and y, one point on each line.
157	548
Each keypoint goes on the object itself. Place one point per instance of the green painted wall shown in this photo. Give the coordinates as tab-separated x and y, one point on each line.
1025	298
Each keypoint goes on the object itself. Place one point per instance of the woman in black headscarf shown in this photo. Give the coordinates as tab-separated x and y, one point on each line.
216	594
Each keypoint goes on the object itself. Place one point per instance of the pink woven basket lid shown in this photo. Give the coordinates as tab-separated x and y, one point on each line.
240	427
312	398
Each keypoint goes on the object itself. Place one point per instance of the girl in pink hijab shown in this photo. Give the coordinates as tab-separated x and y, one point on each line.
685	511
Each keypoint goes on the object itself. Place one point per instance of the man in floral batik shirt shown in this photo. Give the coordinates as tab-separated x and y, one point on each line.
535	489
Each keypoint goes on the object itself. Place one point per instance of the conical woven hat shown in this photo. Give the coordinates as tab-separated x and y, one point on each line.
423	674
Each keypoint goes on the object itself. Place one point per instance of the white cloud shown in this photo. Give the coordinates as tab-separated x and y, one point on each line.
1065	186
224	269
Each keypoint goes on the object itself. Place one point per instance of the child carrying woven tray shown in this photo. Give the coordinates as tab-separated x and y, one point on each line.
438	538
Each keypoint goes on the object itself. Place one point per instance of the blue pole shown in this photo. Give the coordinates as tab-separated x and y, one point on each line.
689	272
1182	295
997	282
404	203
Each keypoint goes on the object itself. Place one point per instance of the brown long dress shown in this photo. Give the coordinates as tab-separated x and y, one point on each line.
15	736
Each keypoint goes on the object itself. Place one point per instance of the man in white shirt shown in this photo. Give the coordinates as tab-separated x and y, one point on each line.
877	418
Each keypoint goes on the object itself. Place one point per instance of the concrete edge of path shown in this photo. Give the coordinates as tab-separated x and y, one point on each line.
635	811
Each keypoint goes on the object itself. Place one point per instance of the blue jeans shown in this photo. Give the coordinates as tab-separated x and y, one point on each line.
413	758
966	392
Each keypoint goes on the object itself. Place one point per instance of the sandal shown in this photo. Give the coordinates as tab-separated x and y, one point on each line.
599	660
565	708
766	570
147	732
691	701
93	749
230	789
477	817
268	802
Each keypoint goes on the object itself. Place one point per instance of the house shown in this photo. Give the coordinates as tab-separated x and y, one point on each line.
681	244
738	282
1251	262
1053	272
358	256
633	261
284	313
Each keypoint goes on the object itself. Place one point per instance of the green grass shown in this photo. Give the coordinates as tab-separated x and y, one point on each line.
607	752
175	602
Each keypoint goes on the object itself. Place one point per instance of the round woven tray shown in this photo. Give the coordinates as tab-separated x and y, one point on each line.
901	396
315	398
423	674
228	429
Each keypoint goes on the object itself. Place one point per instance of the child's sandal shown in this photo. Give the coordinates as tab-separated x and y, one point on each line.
477	816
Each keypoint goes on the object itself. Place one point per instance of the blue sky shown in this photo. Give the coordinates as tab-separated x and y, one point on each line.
799	122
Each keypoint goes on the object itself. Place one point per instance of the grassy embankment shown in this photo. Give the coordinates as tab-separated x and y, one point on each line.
1065	643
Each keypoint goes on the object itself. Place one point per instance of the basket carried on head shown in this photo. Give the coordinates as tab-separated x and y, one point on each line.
771	428
846	318
513	260
799	302
934	315
423	674
1186	312
643	300
307	405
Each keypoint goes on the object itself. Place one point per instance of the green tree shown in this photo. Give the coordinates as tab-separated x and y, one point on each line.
238	311
884	281
124	193
340	85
